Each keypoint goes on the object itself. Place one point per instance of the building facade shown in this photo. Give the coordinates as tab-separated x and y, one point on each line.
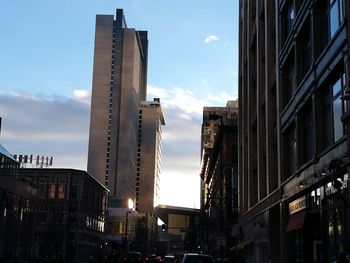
118	86
180	232
125	132
219	184
294	140
17	204
70	214
151	120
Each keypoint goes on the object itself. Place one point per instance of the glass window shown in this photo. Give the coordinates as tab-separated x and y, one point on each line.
336	239
329	17
335	16
52	191
290	151
337	111
332	128
290	11
289	79
304	50
326	129
74	191
306	133
42	191
61	191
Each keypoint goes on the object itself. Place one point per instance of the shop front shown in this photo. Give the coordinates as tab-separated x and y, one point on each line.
317	227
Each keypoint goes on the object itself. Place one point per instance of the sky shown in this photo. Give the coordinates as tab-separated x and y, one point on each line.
46	58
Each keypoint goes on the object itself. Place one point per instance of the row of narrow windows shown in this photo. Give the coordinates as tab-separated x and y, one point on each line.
317	126
110	108
311	40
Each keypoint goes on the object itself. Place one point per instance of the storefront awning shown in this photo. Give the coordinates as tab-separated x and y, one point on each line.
241	246
296	221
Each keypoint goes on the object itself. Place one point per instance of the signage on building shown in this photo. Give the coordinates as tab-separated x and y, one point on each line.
297	205
338	185
212	109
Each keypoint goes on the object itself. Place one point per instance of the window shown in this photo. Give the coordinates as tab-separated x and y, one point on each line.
331	127
61	188
42	191
336	238
289	151
306	133
288	79
329	18
288	17
335	15
52	191
337	111
304	50
74	191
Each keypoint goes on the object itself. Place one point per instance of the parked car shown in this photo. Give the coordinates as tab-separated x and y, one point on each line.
197	258
169	259
151	259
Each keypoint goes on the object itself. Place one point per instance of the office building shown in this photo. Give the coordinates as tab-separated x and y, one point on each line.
293	130
70	214
180	231
219	195
125	132
149	155
118	87
17	204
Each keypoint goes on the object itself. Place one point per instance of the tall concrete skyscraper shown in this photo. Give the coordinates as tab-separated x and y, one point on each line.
119	85
149	155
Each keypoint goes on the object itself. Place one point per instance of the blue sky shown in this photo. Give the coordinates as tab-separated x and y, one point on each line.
46	52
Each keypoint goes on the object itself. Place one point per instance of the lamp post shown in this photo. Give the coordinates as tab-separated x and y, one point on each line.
129	210
126	230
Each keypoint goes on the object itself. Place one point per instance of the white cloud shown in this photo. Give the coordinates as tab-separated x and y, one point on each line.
24	96
210	38
156	92
186	100
53	126
83	95
58	127
220	97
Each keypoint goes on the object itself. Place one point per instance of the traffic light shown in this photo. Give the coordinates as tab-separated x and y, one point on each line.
163	227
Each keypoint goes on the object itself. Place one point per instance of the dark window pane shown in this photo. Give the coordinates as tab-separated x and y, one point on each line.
338	125
334	18
326	118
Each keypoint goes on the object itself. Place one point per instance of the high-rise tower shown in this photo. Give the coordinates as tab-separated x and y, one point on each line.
119	84
149	155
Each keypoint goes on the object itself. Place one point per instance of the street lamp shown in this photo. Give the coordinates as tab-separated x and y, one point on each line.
129	210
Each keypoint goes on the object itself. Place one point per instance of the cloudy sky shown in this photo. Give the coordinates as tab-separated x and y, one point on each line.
46	52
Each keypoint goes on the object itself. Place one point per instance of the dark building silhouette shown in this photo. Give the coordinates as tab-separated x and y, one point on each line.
293	135
179	231
219	184
70	214
17	203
